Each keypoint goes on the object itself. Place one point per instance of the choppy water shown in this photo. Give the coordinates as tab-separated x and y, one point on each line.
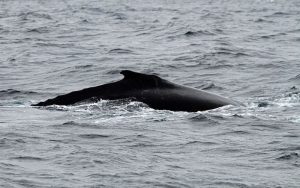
245	50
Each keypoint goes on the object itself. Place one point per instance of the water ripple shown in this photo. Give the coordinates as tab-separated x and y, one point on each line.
245	50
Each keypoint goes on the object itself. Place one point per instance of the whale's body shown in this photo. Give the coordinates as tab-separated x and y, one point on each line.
152	90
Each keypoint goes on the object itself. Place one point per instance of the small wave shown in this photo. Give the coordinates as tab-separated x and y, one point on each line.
7	165
33	15
286	100
143	145
227	51
290	99
109	107
232	184
294	31
261	20
263	104
98	161
278	14
206	118
83	66
237	132
290	156
7	142
75	124
211	86
297	77
120	51
55	107
103	175
13	91
15	134
12	97
84	21
28	158
49	44
93	136
197	33
200	117
271	65
219	66
200	142
39	30
119	16
271	36
288	149
93	10
295	119
182	58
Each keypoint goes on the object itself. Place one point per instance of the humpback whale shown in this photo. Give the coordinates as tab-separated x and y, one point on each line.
152	90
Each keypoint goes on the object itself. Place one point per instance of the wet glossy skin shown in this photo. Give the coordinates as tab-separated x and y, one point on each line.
152	90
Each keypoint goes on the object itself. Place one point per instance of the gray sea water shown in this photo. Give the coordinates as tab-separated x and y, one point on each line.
246	50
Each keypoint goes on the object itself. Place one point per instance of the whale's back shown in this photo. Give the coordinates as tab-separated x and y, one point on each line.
156	92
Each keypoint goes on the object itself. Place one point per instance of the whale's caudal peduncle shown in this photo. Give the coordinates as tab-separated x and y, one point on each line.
156	92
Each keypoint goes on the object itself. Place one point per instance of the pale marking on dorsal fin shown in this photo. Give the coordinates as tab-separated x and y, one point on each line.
149	80
136	75
145	79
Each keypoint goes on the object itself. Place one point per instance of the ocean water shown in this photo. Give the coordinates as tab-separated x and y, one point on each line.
248	51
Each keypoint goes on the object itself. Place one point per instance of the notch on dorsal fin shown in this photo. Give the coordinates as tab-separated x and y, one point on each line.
144	79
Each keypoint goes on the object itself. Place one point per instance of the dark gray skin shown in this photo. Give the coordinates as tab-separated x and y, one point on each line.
152	90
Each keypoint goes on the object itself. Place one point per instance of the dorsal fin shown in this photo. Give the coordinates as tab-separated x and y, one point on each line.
144	79
132	74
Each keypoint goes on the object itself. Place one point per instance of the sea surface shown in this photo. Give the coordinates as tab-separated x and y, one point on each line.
246	50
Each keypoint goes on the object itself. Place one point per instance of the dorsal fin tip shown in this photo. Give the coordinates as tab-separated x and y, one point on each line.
126	72
132	74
